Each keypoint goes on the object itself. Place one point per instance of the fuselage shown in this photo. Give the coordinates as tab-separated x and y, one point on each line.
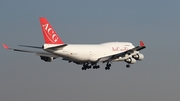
90	52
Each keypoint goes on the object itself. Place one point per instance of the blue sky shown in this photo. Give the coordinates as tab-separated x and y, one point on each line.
26	77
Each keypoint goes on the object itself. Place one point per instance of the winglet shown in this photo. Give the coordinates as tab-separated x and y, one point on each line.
5	46
141	43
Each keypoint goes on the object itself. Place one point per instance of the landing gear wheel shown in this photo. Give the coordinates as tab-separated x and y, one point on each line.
128	66
96	67
88	67
107	68
83	68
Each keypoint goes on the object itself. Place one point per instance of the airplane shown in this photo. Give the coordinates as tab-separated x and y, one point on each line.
87	55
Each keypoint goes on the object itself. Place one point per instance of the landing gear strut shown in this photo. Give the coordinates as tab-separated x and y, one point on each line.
107	66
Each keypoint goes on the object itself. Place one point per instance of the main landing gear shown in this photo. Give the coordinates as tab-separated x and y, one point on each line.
96	67
88	66
107	66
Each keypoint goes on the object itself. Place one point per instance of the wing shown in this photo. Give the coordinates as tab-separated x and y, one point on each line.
122	54
27	51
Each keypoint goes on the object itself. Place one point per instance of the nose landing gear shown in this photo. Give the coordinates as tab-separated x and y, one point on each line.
107	66
128	66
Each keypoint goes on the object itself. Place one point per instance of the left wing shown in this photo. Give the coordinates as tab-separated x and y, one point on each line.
122	54
27	51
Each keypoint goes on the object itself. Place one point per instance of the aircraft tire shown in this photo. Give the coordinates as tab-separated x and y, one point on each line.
127	66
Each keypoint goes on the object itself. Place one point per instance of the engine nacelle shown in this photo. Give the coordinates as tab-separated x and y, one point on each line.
138	56
47	59
130	60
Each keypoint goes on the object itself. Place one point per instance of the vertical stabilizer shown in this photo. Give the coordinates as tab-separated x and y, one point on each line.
50	35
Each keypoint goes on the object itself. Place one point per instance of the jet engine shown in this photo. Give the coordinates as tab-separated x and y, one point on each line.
47	59
130	60
138	56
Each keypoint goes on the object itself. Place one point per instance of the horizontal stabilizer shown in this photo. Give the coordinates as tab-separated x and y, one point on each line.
29	51
31	46
57	47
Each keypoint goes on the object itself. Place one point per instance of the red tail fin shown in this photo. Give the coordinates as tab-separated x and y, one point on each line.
50	36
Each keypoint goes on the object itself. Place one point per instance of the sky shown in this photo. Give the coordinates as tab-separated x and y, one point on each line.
24	77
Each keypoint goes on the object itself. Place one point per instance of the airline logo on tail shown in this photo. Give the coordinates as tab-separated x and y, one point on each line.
49	33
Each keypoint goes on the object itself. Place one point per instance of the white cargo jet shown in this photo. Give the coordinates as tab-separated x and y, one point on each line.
88	55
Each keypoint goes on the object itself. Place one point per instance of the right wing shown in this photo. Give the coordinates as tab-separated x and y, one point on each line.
27	51
122	54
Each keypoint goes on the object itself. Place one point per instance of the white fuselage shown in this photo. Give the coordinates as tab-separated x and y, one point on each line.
90	52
